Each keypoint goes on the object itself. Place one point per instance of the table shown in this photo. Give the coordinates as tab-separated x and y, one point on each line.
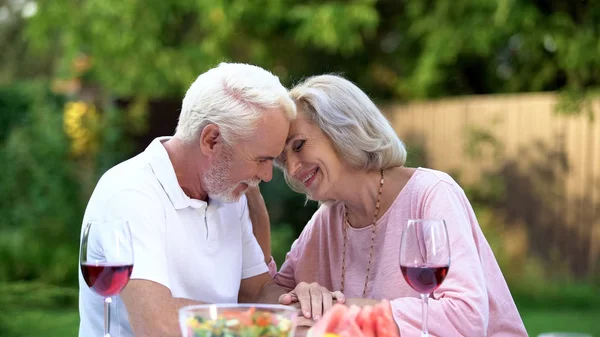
301	331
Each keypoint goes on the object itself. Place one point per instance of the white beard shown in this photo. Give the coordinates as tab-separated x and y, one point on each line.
215	180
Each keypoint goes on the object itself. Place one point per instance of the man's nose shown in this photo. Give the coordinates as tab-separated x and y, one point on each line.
266	171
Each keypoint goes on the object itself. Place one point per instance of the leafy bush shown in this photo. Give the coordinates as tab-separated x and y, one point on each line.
44	187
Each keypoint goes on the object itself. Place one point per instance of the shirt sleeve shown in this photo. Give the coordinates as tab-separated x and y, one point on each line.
253	260
147	223
460	306
286	277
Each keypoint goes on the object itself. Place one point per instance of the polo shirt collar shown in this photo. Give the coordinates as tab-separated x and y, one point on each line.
165	173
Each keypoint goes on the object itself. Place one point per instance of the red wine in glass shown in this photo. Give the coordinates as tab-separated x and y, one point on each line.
425	258
106	279
424	278
106	260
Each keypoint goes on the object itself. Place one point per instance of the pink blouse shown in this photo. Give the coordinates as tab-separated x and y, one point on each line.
474	299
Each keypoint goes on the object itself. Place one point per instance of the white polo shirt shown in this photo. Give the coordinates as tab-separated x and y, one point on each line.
198	250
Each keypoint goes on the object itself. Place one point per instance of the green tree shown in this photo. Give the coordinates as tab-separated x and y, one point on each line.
393	49
157	48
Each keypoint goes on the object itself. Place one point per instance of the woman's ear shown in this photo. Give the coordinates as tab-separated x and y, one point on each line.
209	138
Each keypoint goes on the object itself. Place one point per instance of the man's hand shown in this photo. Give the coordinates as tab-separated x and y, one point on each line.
314	299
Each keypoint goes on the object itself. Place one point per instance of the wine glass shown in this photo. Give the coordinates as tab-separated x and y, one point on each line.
106	260
425	258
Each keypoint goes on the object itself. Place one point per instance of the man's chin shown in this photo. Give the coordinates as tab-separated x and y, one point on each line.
227	198
232	194
224	198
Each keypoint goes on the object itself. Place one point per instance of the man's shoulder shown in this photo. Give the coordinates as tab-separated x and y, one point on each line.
133	175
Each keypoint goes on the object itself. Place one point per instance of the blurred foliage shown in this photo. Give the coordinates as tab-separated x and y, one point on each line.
45	184
40	197
13	104
23	295
17	59
289	212
394	49
30	309
171	42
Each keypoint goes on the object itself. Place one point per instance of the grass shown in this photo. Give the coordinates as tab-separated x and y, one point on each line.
538	321
558	307
34	323
34	309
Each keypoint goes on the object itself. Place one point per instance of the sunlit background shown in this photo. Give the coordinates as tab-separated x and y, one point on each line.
499	93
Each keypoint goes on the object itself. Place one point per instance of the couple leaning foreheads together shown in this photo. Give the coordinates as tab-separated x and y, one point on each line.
200	228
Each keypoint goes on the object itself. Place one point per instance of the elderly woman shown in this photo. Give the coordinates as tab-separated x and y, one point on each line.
342	152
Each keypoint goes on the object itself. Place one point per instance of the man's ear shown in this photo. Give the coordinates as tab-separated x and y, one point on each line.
210	137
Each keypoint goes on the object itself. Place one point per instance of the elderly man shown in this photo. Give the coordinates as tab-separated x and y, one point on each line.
184	200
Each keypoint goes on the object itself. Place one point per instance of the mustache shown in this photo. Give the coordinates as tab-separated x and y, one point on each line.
252	182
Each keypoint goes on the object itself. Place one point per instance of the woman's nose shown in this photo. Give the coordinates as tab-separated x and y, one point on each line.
292	165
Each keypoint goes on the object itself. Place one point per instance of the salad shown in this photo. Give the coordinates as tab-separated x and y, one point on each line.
249	323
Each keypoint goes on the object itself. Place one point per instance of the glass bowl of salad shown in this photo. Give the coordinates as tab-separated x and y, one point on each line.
237	320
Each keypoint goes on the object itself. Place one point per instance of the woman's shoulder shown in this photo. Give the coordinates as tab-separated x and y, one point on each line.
327	213
426	179
424	183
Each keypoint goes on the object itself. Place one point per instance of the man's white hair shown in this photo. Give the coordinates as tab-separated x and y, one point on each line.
360	133
232	96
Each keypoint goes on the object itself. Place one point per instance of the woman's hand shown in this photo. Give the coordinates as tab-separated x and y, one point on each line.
314	296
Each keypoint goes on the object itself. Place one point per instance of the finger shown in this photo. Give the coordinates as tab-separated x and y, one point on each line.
339	296
286	299
327	300
303	294
316	301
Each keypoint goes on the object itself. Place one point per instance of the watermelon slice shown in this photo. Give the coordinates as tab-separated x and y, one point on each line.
365	321
329	322
388	324
368	321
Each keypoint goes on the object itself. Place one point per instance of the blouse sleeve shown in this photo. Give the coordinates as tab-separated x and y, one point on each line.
286	277
459	307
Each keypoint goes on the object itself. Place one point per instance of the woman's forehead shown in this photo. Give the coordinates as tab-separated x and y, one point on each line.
300	124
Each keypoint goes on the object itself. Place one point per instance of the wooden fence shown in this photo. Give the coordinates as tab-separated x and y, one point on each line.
549	165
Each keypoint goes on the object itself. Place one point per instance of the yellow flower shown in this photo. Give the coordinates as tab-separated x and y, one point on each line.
78	122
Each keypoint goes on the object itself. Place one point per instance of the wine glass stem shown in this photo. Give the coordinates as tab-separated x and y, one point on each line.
107	301
425	307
